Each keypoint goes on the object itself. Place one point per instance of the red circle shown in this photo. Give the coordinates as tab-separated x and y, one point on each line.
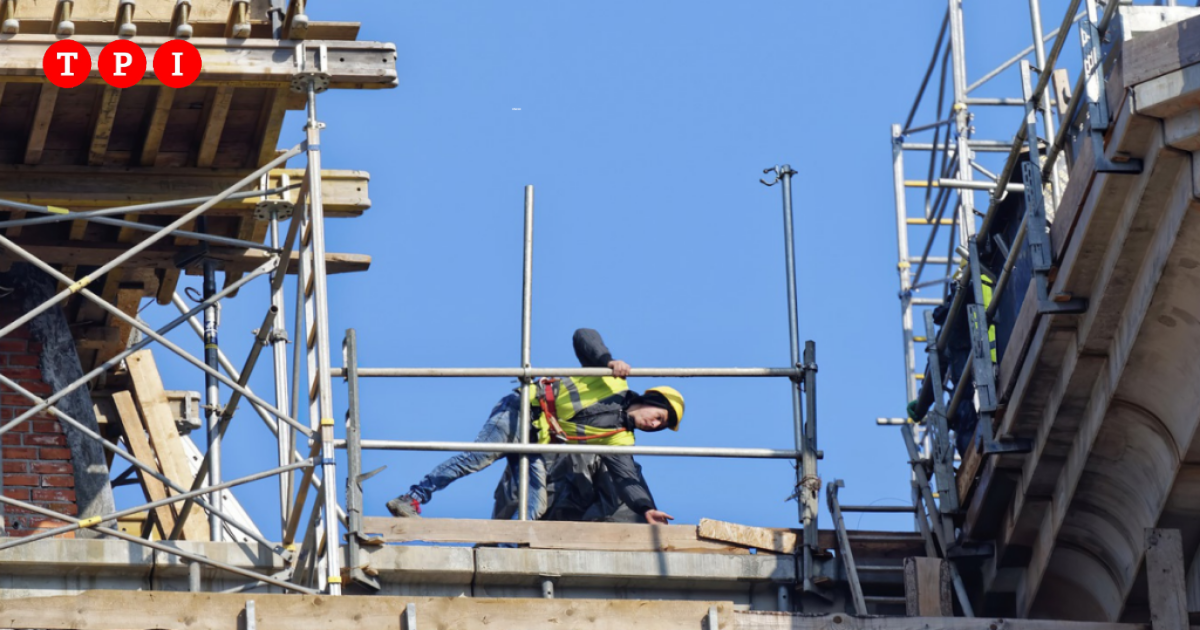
74	57
122	63
177	63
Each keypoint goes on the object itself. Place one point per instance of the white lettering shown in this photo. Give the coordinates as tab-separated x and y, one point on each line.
178	72
122	60
66	58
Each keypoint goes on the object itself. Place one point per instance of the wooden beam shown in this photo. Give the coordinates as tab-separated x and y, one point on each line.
137	610
214	125
158	256
1165	577
766	539
129	298
156	125
270	122
546	534
255	62
164	437
344	192
168	280
777	621
42	114
927	588
139	445
106	114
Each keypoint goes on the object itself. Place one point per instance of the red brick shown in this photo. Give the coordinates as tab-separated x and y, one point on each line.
8	344
19	333
47	426
16	467
70	509
8	413
24	427
22	480
25	453
10	439
16	400
36	387
57	481
45	522
45	439
17	374
35	347
50	452
28	360
20	494
54	495
51	468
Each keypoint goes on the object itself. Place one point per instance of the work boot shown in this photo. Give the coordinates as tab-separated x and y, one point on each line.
405	506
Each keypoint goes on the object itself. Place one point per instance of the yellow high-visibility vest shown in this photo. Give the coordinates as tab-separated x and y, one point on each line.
573	395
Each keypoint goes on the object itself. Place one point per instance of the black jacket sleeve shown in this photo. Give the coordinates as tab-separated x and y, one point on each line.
590	348
630	485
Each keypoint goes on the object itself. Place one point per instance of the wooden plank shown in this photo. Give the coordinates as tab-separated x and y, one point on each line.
156	125
129	298
164	437
546	534
927	588
167	283
345	193
775	621
270	122
1165	577
106	114
766	539
92	253
258	62
1161	51
214	125
41	123
139	445
136	610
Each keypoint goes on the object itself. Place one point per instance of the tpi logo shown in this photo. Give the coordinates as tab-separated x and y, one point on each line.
122	63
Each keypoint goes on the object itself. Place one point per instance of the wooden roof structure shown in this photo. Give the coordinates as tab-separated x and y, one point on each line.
95	146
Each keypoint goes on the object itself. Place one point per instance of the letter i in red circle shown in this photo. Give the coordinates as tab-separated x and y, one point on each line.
122	63
67	63
177	63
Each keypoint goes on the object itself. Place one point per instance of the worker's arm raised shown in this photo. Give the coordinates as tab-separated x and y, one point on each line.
591	352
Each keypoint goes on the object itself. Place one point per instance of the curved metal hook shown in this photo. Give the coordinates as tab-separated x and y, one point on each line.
775	180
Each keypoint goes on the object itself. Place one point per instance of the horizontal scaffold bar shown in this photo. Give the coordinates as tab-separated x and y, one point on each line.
228	62
533	449
514	372
91	253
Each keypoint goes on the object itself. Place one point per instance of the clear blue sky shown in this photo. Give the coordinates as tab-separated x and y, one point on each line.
644	127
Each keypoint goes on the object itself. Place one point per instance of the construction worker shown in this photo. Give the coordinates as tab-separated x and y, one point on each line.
584	410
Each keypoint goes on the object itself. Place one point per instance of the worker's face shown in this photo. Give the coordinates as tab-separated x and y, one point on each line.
647	418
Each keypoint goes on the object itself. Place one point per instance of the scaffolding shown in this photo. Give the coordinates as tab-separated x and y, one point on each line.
953	226
313	526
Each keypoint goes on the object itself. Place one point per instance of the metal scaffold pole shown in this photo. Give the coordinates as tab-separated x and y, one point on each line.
212	396
526	381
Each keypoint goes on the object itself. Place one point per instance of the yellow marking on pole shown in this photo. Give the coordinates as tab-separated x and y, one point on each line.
57	210
919	183
211	346
90	521
903	264
923	221
335	579
328	422
79	286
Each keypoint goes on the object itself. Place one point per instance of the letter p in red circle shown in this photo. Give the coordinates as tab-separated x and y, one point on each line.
122	63
177	63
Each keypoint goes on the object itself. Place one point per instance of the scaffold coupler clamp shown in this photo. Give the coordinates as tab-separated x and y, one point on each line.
810	483
779	172
317	74
277	205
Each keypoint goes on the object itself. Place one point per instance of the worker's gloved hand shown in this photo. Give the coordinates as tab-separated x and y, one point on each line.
912	411
620	368
656	517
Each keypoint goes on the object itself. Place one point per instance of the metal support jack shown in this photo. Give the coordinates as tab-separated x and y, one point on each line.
354	476
943	449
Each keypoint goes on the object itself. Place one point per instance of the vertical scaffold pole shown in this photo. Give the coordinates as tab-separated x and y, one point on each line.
212	400
284	432
903	265
333	573
526	316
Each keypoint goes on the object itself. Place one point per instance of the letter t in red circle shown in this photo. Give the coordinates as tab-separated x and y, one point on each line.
177	63
122	63
66	63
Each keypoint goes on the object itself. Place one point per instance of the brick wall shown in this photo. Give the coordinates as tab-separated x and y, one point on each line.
36	461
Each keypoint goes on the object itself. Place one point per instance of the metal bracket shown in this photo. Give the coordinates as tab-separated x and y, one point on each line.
279	207
1039	247
318	76
367	475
